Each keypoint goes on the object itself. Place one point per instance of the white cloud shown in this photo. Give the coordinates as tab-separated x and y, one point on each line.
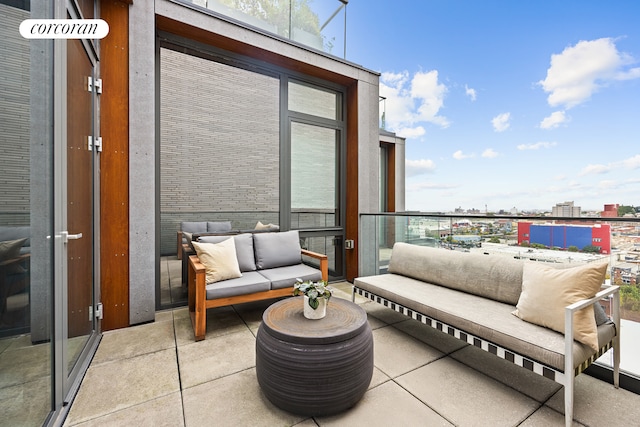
580	70
536	146
554	120
419	167
411	101
501	122
630	163
430	94
459	155
411	132
595	169
428	186
607	184
490	153
470	92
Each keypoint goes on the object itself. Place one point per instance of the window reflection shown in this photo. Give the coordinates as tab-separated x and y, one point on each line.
25	252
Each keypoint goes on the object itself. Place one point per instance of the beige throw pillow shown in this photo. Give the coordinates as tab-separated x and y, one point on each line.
219	260
546	291
266	227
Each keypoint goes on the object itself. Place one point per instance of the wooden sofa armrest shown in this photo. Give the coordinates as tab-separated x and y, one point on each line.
197	296
324	262
179	245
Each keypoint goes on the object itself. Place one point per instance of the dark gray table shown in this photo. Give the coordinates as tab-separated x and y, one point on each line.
314	367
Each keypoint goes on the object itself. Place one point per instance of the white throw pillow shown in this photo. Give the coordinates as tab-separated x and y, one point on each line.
546	291
219	259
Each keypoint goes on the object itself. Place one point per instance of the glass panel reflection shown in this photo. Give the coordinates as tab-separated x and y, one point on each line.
314	192
219	155
312	101
25	223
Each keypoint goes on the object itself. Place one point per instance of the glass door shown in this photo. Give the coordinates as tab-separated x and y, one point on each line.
316	170
315	191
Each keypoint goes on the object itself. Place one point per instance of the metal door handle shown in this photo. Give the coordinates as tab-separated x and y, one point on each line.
66	236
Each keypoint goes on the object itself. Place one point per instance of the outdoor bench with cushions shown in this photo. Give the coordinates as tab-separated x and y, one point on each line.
506	307
187	228
246	267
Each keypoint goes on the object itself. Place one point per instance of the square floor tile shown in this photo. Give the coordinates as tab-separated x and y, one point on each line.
396	353
113	386
386	405
234	400
216	357
465	396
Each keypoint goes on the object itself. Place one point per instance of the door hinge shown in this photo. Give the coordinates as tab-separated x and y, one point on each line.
97	142
99	311
94	85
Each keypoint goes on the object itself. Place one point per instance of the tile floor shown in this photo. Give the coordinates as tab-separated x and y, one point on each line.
156	375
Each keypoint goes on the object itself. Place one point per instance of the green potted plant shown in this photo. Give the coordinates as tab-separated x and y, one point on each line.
316	297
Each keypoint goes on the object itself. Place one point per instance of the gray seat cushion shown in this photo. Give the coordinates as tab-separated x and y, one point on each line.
485	318
277	249
194	227
244	248
218	226
283	277
249	283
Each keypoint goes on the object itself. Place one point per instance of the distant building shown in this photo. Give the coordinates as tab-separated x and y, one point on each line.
610	211
626	273
565	235
566	209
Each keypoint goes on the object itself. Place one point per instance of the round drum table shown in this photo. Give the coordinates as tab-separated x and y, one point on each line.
314	367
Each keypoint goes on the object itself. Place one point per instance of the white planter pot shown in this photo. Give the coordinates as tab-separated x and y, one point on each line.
319	312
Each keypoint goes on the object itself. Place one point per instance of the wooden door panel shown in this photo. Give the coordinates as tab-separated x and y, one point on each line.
79	190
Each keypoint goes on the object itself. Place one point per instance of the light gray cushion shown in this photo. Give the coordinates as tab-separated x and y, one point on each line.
218	226
489	276
283	277
249	283
244	249
601	316
194	227
277	249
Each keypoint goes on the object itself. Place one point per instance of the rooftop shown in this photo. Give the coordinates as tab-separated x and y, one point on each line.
155	374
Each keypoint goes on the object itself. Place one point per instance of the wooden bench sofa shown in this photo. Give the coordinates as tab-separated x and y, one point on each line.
482	300
269	264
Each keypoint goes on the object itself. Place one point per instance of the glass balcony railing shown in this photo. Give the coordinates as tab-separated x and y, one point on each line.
553	240
320	24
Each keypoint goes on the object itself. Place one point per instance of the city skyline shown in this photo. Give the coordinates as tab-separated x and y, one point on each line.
508	104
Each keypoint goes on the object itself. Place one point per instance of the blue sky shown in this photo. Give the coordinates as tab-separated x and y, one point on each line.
511	103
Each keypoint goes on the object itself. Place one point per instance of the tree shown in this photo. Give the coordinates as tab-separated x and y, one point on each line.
572	248
622	210
591	249
277	12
